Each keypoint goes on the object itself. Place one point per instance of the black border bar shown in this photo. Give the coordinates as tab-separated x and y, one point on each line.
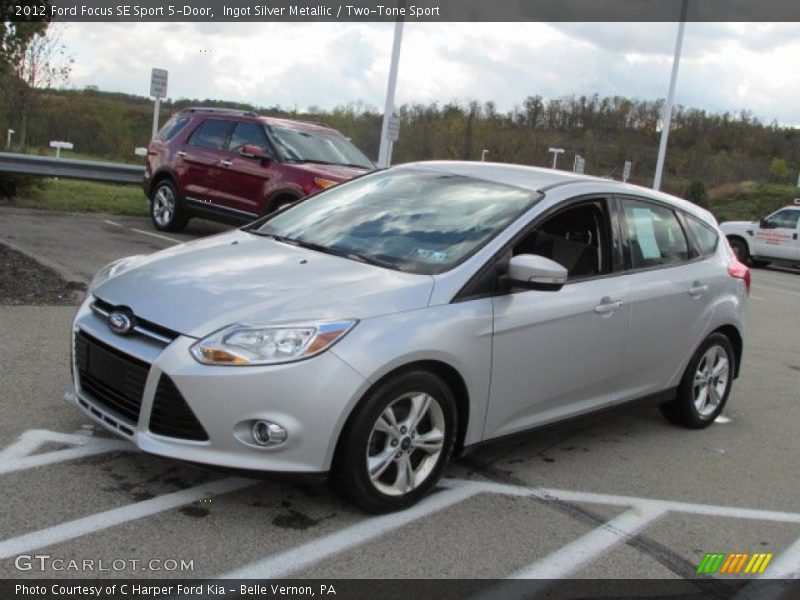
408	10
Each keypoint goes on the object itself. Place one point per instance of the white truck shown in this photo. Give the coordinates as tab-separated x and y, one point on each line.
773	239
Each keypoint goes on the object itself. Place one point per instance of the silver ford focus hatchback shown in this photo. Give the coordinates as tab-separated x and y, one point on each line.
374	330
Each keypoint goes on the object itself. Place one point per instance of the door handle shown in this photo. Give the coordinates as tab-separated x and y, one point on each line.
698	289
225	163
607	306
181	153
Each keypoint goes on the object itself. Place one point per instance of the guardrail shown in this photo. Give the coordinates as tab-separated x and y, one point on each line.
69	168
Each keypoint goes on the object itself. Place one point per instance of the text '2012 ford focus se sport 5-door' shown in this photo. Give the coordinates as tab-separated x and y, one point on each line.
375	329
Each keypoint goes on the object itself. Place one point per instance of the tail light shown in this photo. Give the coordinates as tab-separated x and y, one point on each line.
738	270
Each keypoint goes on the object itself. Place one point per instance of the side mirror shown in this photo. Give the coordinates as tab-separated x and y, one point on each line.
251	151
764	224
534	272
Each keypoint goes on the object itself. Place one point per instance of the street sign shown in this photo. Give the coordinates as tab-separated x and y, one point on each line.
393	128
158	83
579	166
626	171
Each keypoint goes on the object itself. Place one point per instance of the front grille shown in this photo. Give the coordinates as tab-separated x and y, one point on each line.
111	378
171	416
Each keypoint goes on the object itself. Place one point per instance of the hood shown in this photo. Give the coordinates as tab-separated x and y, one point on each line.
738	223
334	172
237	277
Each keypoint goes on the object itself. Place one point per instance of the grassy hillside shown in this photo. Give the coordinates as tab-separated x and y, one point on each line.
749	200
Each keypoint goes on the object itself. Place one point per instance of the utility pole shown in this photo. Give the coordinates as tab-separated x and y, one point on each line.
385	152
667	114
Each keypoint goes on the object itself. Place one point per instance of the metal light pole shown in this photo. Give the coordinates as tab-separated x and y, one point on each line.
556	152
385	152
667	115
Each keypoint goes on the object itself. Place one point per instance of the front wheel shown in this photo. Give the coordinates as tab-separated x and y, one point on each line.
705	386
166	208
395	447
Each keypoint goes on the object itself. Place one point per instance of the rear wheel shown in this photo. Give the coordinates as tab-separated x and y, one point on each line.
396	446
167	211
705	386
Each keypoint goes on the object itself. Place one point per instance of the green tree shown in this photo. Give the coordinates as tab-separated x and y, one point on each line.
696	192
779	170
18	30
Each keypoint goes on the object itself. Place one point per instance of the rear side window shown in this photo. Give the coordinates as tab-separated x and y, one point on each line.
212	134
248	134
704	235
655	235
171	128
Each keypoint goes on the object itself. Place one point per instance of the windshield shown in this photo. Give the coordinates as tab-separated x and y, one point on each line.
411	220
300	145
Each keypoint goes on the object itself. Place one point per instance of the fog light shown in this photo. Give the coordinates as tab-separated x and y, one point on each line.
266	433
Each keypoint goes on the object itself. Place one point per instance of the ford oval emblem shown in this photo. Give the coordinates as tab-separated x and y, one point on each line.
121	322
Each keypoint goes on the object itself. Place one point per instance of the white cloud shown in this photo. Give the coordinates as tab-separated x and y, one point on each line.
725	66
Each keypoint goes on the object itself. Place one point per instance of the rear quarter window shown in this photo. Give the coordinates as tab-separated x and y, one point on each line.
705	237
171	128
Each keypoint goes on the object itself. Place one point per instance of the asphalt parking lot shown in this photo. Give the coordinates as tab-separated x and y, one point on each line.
623	494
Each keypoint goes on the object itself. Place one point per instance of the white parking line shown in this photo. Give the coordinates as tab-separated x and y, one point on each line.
117	516
157	235
17	456
279	565
585	549
143	232
643	512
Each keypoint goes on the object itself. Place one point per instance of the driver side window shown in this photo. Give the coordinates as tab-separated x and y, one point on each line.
785	219
576	237
248	134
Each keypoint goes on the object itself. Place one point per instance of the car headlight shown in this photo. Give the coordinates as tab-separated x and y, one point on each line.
112	269
244	345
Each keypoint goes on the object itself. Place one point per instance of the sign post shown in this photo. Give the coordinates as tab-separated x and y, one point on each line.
158	90
626	171
59	145
556	152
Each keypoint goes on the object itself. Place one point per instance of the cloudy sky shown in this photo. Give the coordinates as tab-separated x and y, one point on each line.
725	66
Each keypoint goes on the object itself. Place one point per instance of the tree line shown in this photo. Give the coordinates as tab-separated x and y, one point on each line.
708	147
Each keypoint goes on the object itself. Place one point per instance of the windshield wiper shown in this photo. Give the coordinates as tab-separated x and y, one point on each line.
371	260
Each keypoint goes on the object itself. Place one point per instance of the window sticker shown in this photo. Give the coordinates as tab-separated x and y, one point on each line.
435	256
645	234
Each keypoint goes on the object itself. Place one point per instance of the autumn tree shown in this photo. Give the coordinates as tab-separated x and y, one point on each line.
33	58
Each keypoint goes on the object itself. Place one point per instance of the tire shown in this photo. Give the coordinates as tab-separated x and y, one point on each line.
281	203
167	210
740	249
705	386
381	435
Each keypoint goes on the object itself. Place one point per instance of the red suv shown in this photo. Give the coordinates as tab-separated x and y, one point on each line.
235	166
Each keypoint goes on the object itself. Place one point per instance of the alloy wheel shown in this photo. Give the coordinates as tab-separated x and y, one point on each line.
405	443
711	380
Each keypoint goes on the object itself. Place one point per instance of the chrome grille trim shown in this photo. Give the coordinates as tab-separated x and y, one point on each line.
138	328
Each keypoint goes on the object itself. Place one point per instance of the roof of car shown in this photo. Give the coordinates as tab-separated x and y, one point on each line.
523	176
233	112
540	179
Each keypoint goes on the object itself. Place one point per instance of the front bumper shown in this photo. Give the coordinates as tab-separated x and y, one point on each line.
311	399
